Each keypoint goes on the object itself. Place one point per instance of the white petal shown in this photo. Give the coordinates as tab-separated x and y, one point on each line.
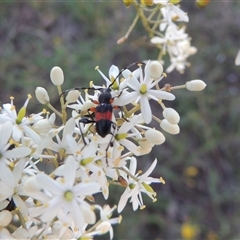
161	94
69	127
18	169
52	210
125	99
123	200
84	189
5	133
149	171
70	171
146	110
32	134
48	183
17	152
21	205
113	72
7	176
133	166
76	214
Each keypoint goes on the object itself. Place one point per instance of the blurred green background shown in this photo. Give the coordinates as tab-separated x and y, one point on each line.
201	165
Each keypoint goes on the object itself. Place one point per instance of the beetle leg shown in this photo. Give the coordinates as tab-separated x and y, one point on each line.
85	121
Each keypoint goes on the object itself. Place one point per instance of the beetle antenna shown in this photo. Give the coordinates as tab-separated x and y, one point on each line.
130	65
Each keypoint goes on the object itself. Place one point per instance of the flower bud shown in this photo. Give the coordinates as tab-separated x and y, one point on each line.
168	127
104	227
171	115
5	218
43	126
72	96
57	76
42	95
154	136
155	69
122	181
31	185
144	143
87	105
195	85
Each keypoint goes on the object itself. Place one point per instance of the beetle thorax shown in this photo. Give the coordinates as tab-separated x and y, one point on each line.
105	96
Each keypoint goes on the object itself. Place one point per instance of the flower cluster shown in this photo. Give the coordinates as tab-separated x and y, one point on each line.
97	145
160	18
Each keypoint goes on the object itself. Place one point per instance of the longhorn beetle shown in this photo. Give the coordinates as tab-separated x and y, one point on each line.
103	110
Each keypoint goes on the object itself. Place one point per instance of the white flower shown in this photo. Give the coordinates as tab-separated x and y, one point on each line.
137	185
10	185
62	196
21	122
6	153
143	92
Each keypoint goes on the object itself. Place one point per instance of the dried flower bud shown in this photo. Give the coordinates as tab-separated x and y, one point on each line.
57	76
42	95
171	115
122	181
168	127
155	69
154	136
195	85
5	218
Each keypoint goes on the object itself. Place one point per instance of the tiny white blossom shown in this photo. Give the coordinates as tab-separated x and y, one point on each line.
66	197
10	185
143	91
136	186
